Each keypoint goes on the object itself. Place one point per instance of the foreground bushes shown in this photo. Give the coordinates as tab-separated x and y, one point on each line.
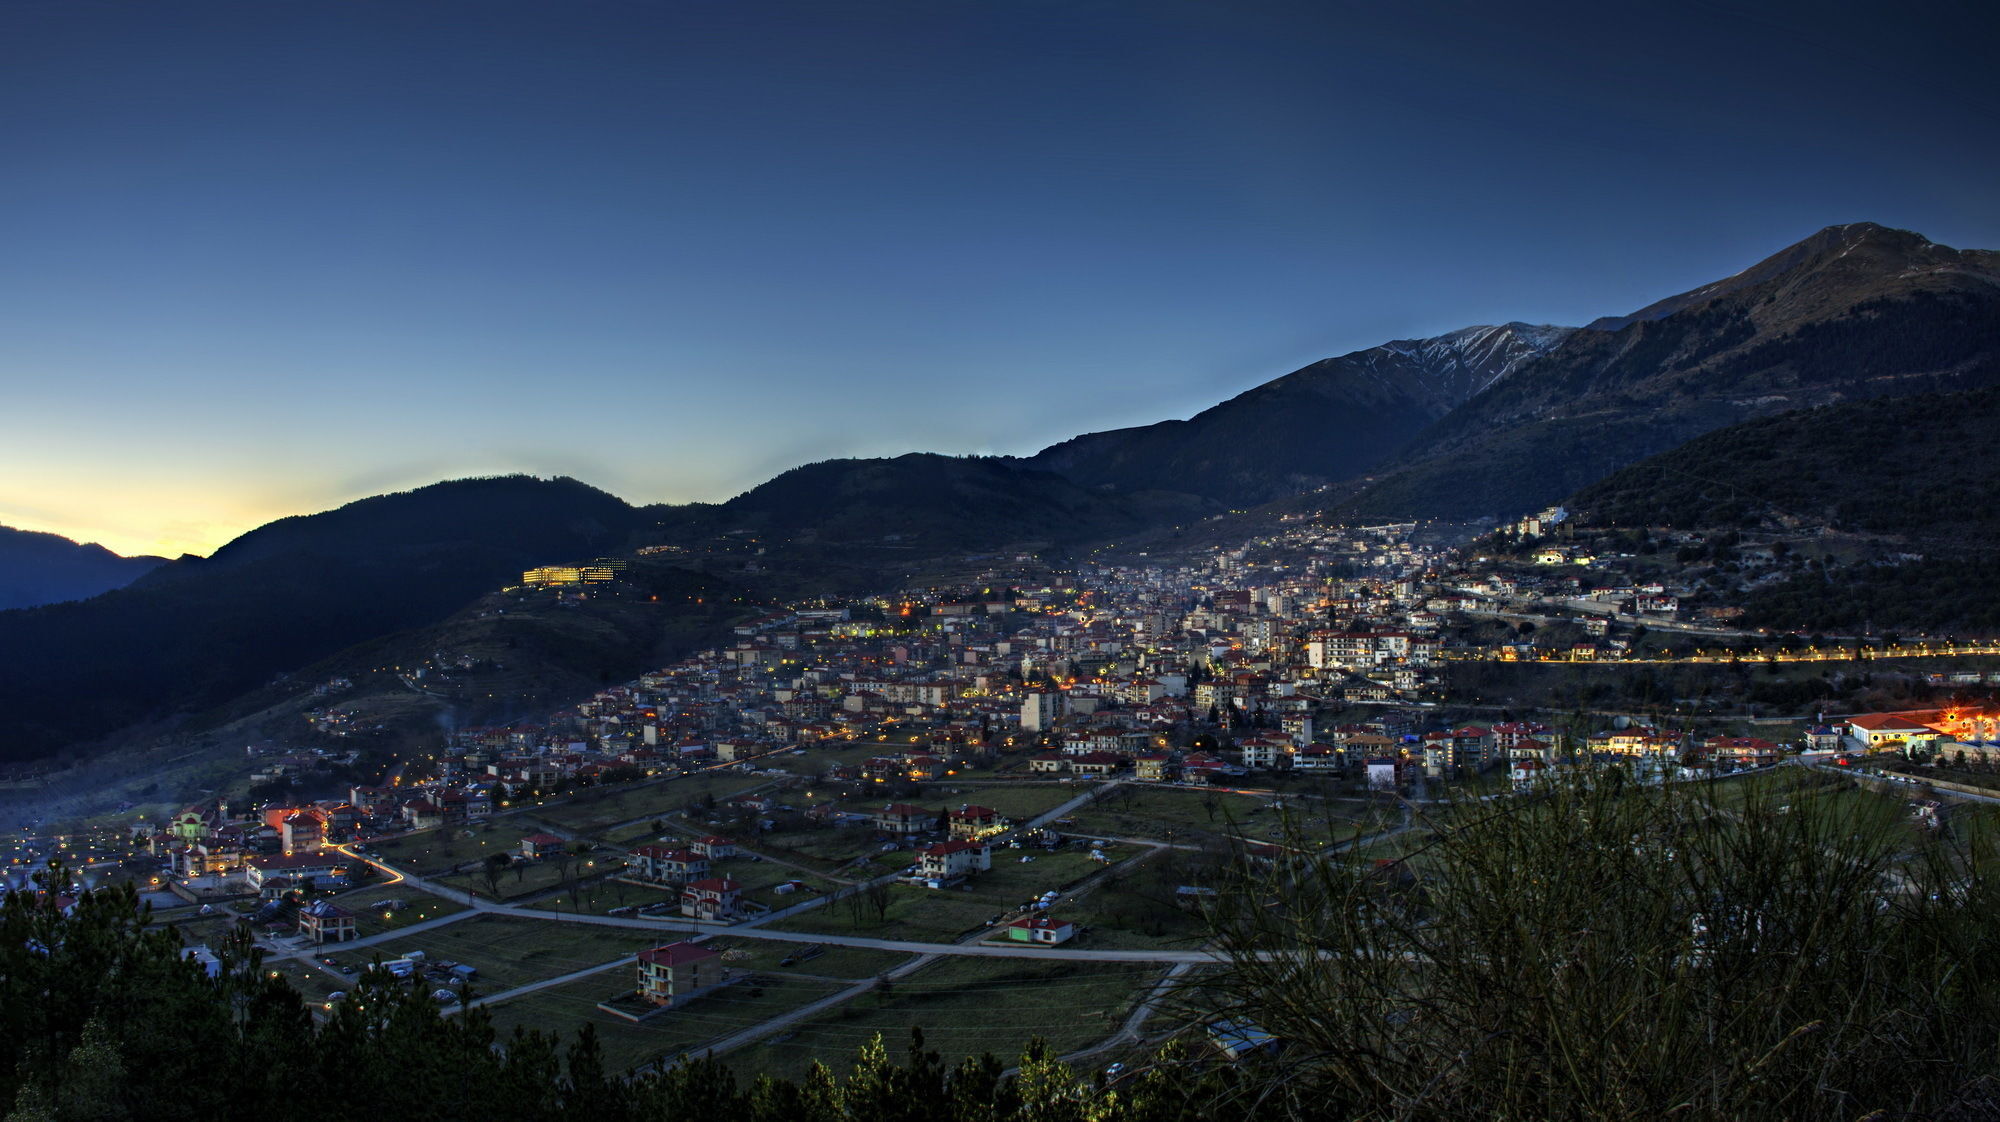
1778	947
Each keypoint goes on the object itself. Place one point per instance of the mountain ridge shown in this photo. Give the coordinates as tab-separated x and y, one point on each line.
37	568
1387	394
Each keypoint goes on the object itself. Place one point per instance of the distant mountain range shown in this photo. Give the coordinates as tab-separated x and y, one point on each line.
1491	421
38	568
1485	421
1334	420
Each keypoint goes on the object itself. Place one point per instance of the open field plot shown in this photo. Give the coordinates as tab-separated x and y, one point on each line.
918	914
1171	813
965	1006
370	918
526	878
847	963
844	851
593	812
509	951
942	915
1396	846
567	1008
312	983
1138	907
1012	880
1018	802
432	851
759	878
601	896
209	929
636	833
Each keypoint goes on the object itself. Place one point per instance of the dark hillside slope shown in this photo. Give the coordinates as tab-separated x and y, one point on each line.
1912	466
937	502
1888	510
195	633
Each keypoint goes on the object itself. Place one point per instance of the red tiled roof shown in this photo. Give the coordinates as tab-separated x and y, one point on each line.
676	954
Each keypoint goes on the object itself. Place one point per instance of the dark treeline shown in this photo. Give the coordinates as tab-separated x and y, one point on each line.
1937	596
101	1019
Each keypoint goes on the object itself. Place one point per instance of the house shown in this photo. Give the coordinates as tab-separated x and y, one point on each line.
1266	752
1525	771
678	971
950	860
714	847
1317	757
1879	731
1095	763
973	822
537	846
713	898
1048	763
324	921
665	865
302	830
275	872
1041	929
423	814
1743	751
1153	767
1382	772
902	818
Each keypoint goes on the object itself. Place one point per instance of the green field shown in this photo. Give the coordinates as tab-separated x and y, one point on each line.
567	1008
599	897
917	914
942	915
312	983
1016	801
432	851
593	812
840	963
419	906
510	951
1138	909
527	878
1189	814
965	1006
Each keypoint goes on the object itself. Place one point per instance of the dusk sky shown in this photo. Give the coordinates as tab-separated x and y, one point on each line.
262	258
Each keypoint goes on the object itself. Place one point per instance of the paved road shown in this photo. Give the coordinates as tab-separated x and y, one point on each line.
1065	809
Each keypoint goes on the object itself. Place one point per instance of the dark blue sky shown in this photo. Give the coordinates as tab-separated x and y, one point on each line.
263	257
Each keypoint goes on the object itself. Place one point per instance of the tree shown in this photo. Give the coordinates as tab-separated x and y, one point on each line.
490	871
878	895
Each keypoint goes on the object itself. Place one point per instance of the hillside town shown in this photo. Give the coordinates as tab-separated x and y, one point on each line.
1316	654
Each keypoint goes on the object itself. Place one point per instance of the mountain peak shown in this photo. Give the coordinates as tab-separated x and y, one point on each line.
1880	246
